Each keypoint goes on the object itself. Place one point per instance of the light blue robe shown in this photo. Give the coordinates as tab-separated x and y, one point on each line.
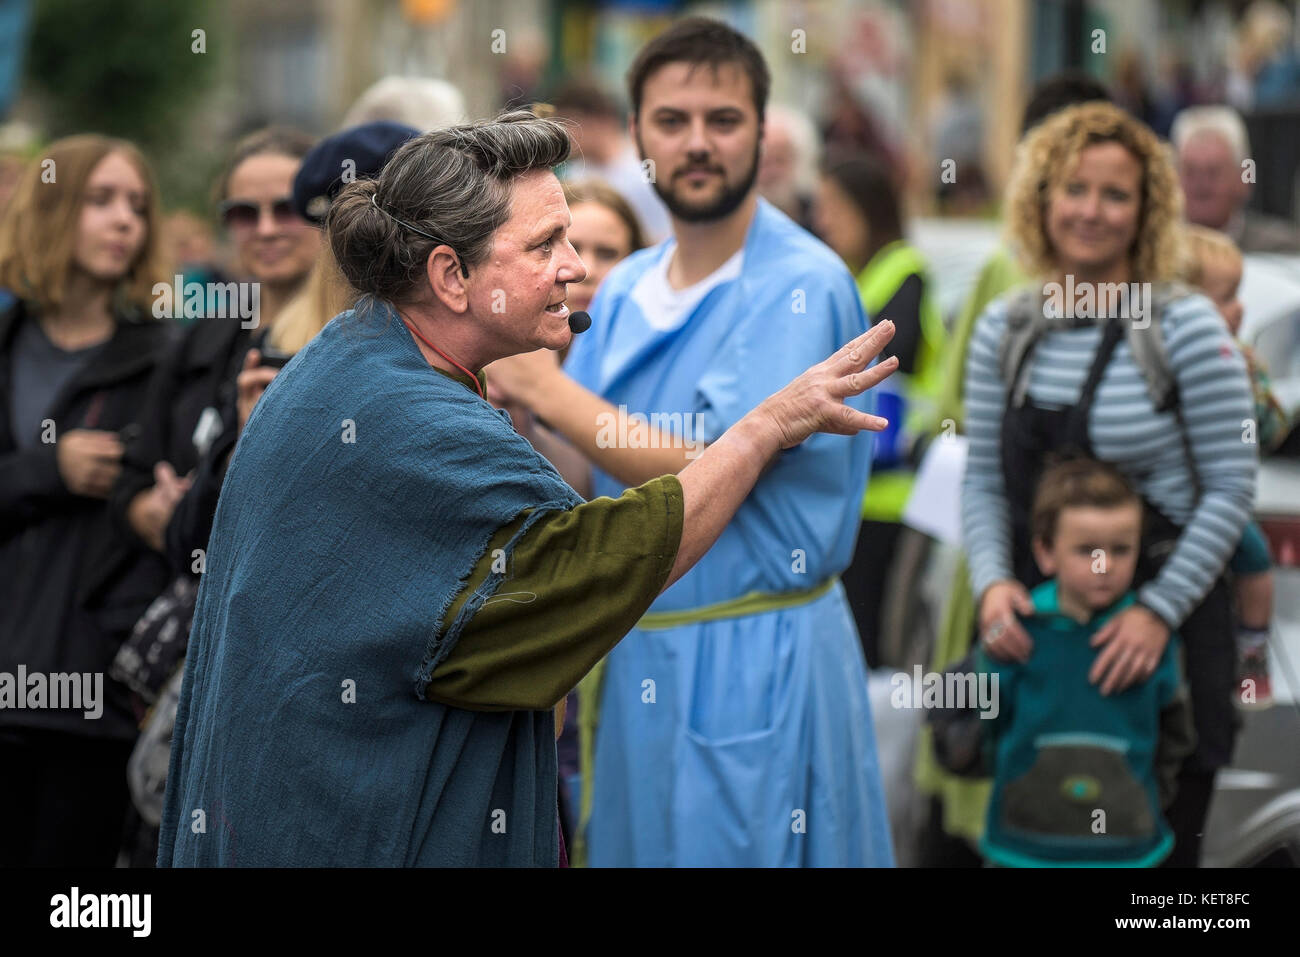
744	741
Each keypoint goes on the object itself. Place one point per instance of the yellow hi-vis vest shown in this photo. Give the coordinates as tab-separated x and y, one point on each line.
887	492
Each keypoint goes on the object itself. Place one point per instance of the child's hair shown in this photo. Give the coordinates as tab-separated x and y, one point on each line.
1203	246
1077	483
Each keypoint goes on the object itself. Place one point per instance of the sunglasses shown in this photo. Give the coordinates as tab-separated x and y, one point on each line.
243	215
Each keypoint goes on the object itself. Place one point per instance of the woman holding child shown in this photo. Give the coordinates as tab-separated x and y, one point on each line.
1104	357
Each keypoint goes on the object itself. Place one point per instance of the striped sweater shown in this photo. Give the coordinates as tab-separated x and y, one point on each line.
1126	431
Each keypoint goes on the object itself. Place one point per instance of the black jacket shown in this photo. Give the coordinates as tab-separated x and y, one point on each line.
71	585
197	374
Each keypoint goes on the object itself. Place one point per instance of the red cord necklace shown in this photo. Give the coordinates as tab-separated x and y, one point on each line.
477	385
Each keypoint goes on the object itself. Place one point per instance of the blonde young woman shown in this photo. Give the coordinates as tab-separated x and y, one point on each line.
1093	207
79	249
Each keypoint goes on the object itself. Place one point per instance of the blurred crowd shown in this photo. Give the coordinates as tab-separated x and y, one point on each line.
121	406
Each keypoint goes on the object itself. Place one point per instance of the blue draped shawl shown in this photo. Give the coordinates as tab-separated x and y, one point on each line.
362	492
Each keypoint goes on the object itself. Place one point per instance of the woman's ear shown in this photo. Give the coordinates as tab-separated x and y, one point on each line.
447	279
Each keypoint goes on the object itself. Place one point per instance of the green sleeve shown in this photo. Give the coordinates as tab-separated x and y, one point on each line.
576	583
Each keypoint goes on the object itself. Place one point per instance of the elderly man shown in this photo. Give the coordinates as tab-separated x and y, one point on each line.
398	589
1212	147
787	172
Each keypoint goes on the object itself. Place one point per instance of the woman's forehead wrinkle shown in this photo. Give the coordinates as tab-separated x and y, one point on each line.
549	217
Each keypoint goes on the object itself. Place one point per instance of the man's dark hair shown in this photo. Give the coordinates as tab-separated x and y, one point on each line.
700	41
1058	91
586	98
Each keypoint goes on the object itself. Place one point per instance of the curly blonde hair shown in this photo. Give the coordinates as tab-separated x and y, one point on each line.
1050	152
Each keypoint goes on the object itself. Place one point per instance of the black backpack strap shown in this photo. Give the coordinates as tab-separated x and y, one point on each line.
1111	334
1076	439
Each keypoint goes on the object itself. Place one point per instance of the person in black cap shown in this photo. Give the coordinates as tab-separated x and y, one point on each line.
356	153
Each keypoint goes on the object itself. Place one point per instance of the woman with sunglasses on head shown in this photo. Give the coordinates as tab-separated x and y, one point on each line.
275	248
79	249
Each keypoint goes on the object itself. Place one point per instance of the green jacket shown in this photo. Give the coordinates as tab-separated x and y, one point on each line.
1080	779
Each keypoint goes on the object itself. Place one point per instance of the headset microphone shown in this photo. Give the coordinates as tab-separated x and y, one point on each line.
579	322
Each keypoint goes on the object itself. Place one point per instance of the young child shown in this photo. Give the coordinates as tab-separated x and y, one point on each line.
1214	266
1080	780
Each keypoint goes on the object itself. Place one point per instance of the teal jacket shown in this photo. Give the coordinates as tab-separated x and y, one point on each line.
1080	779
362	494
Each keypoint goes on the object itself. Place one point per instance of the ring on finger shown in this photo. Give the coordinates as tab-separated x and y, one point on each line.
996	631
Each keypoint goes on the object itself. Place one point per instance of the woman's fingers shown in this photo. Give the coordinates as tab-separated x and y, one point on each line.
801	408
1101	665
1018	643
1111	666
1105	633
1009	642
855	355
1121	672
855	383
855	421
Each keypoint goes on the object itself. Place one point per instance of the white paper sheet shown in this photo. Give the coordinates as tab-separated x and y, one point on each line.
935	504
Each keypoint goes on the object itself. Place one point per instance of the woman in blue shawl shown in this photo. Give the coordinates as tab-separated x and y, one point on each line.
398	589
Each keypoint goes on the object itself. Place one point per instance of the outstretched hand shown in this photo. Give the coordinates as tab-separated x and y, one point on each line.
814	402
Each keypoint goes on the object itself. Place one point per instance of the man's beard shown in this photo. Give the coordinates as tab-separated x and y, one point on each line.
728	200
